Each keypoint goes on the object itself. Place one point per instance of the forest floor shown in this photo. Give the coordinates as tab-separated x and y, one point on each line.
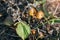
42	27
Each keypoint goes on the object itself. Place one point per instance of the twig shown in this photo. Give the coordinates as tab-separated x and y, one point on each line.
56	9
2	32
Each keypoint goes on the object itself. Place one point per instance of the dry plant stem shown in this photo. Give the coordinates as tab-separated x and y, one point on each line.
29	38
47	20
56	9
37	38
24	10
38	32
42	23
18	15
2	32
33	37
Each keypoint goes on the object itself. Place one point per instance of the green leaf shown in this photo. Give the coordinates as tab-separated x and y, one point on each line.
57	20
53	21
23	30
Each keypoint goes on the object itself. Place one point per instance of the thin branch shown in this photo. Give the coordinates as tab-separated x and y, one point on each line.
56	9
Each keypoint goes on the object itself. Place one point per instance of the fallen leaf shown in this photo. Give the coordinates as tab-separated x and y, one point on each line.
23	30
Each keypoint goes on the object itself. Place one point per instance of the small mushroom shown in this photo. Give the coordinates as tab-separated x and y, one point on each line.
40	14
